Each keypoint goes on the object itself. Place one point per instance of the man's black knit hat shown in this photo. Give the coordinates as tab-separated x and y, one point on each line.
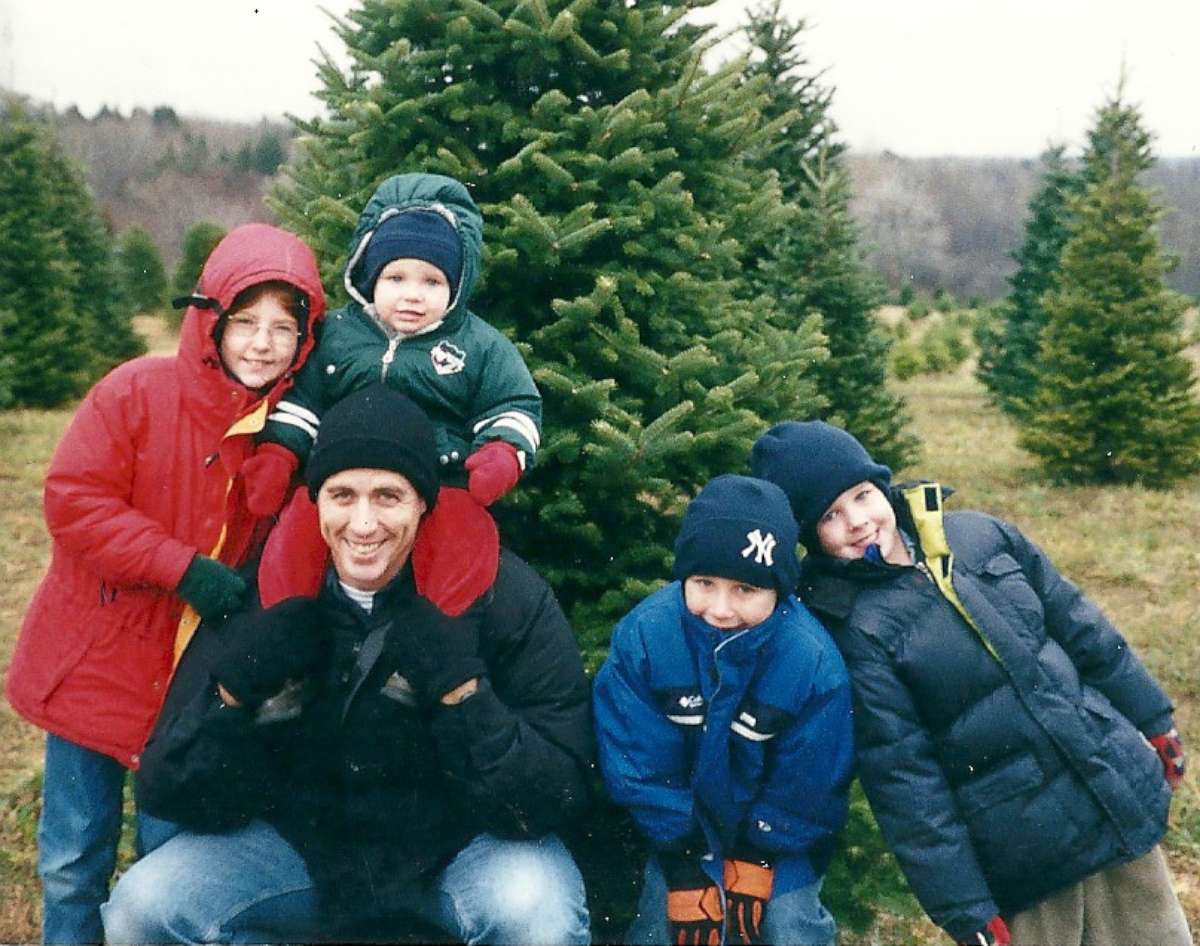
414	234
375	428
740	528
814	463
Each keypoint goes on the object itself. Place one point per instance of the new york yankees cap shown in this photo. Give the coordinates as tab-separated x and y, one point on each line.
740	528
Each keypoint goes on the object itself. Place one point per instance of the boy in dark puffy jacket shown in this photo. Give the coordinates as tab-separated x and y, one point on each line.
1018	756
415	257
723	722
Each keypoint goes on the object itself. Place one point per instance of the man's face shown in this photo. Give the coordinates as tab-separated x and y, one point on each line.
369	521
411	294
860	517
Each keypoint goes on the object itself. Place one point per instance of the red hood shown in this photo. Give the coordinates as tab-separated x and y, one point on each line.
249	254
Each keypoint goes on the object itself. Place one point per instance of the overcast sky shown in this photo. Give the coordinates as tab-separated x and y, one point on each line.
918	77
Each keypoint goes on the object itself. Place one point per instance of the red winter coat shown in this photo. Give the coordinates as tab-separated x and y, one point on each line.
145	477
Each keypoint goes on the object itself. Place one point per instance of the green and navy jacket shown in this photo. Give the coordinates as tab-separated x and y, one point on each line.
466	375
742	738
1000	719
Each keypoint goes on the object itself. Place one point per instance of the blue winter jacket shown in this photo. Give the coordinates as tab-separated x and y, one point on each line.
743	737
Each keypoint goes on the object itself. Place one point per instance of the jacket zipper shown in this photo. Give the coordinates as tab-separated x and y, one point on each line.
388	357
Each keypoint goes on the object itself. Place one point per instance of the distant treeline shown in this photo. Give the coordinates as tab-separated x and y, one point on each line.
157	170
930	223
951	223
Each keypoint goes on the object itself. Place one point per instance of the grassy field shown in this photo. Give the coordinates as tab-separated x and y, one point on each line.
1133	549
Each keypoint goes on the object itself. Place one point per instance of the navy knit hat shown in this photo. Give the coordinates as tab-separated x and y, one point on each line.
413	234
375	428
740	528
814	463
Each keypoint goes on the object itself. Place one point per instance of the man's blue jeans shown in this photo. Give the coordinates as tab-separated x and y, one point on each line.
251	886
78	832
794	914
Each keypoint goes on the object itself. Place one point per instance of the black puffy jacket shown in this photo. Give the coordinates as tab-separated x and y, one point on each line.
1003	761
373	792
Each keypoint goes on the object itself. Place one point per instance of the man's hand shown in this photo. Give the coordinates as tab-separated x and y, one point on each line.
995	933
266	649
211	588
747	891
268	474
1169	747
695	917
441	652
492	471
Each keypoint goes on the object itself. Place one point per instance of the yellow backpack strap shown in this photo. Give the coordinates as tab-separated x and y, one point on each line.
924	502
251	423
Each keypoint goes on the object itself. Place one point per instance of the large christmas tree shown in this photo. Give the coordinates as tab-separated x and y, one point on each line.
97	289
611	168
812	264
1009	344
46	356
1114	398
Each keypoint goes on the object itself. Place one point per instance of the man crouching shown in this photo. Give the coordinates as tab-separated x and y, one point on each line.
368	759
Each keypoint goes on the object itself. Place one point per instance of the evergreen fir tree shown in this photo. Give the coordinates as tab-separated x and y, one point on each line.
1009	342
199	241
143	277
1114	398
609	164
97	294
813	265
45	353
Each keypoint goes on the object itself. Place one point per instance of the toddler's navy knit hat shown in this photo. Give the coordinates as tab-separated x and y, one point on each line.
413	234
375	428
740	528
814	463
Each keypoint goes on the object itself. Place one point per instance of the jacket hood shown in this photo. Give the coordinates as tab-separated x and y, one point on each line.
405	192
248	255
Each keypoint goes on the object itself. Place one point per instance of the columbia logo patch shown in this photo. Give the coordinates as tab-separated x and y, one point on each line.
447	358
762	547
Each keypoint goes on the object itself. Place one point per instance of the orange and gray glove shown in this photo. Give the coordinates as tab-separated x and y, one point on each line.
492	471
747	889
994	933
1169	747
268	474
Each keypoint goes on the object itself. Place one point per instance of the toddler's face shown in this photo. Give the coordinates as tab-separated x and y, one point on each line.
411	294
727	604
859	518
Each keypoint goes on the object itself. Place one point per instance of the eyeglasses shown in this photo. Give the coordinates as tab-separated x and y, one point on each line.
242	328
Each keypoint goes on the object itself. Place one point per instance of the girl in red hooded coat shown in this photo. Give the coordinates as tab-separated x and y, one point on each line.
145	502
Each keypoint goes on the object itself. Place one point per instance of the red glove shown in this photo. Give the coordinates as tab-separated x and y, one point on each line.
695	917
1169	747
492	471
268	474
294	558
994	934
747	890
457	552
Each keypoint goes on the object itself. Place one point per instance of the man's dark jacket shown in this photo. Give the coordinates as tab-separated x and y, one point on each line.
1002	763
371	790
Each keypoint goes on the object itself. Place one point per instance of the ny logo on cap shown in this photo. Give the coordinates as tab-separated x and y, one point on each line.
761	546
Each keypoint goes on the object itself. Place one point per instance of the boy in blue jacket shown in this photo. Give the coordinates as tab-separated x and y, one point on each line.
723	722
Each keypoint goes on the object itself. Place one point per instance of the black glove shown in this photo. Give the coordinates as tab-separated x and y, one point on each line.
440	652
266	649
211	588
